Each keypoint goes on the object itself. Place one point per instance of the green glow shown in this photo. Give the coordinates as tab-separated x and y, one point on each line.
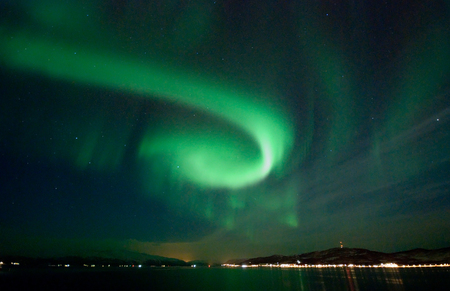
424	68
426	63
237	202
291	220
334	76
207	160
228	223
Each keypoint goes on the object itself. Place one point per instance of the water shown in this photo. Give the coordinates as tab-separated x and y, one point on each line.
227	279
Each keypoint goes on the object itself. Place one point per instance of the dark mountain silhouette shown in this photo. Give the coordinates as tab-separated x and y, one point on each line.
355	256
99	258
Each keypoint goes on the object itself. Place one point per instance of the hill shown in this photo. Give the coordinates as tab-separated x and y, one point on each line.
354	256
99	258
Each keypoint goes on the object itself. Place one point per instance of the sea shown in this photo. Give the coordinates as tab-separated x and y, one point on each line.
219	278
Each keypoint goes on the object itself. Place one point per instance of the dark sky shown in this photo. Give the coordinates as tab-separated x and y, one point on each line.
223	129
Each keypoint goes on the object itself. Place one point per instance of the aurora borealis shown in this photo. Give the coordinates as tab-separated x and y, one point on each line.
220	129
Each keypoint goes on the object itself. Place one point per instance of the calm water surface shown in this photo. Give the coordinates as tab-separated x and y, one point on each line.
227	279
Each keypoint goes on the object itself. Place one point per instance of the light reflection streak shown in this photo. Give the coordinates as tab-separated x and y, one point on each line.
351	279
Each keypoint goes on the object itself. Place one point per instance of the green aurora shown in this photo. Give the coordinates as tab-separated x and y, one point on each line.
230	131
208	160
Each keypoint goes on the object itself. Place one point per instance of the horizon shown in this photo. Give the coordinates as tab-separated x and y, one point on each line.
130	258
118	254
222	129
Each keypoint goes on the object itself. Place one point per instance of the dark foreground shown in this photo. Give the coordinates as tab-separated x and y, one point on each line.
226	279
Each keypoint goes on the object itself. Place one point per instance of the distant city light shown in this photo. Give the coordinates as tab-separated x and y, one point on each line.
382	265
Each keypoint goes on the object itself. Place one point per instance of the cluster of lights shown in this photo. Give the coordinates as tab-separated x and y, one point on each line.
60	265
387	265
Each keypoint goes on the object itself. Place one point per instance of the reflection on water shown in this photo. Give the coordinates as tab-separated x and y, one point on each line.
355	279
388	277
351	278
230	279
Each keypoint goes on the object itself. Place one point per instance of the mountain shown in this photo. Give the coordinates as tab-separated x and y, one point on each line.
138	258
355	256
98	258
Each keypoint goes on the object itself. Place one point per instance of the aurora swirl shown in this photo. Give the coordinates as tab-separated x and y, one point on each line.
207	160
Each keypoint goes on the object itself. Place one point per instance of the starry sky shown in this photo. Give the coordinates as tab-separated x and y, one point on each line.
223	129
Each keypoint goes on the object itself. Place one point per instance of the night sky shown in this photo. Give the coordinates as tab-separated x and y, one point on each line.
223	129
